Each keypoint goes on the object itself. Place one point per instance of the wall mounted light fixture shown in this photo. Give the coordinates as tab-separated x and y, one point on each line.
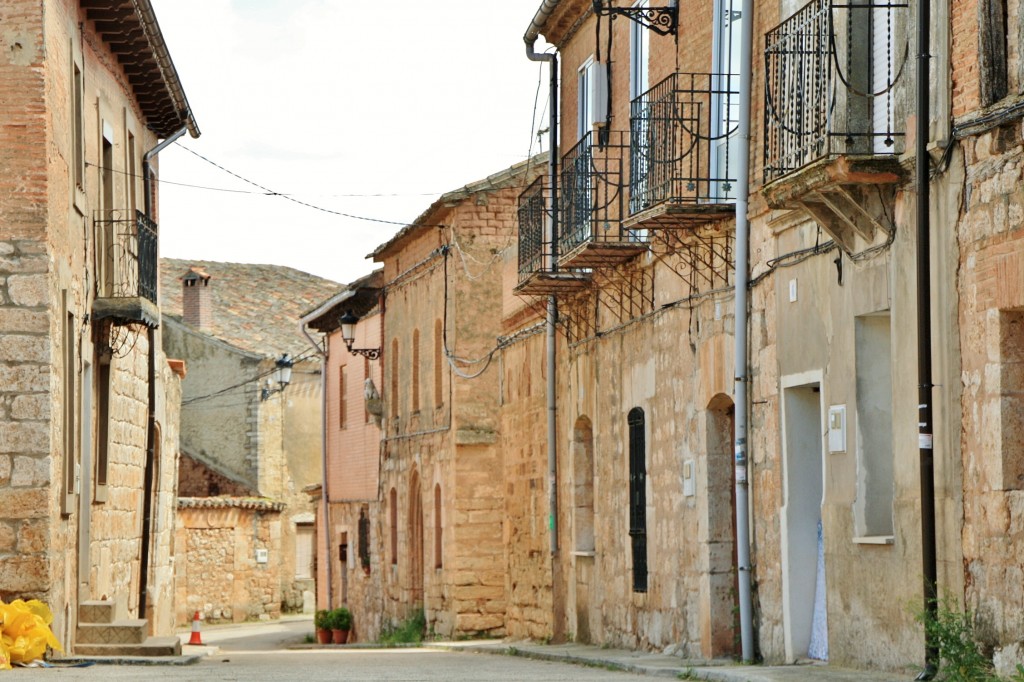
348	335
281	376
662	20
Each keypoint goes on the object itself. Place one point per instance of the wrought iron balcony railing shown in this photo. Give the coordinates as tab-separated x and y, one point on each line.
683	142
534	243
127	245
832	76
592	202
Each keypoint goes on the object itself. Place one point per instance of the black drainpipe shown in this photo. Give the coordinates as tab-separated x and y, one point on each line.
924	342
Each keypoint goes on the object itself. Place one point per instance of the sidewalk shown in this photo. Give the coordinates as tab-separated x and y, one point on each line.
661	665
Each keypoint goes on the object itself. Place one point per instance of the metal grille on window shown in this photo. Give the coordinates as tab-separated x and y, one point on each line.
638	497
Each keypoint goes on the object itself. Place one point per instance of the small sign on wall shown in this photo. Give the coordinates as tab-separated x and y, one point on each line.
262	556
688	478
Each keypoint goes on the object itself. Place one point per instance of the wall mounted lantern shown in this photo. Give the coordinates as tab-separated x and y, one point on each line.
662	20
348	335
281	376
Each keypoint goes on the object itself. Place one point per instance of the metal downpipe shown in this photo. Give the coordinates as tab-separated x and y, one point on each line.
926	454
742	270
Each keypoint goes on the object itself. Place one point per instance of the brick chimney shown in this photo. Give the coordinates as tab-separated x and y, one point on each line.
197	311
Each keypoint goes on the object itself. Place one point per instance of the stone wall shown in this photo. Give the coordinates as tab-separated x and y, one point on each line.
219	571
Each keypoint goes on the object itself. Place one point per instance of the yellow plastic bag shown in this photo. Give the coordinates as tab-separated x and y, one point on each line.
25	632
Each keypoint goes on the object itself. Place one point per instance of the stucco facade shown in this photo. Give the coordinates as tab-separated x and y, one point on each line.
89	405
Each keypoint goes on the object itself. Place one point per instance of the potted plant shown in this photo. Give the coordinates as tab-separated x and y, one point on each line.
322	623
341	623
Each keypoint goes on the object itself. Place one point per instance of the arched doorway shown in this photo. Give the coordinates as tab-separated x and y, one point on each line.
415	540
584	542
720	620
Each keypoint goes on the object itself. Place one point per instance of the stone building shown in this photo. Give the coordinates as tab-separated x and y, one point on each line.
243	433
441	531
88	404
642	270
349	570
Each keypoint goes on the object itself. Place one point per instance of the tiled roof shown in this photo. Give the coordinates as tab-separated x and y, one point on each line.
255	307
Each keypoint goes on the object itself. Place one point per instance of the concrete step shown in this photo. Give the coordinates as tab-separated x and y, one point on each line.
97	612
152	646
121	632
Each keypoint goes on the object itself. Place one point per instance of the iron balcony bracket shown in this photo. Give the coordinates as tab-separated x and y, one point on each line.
662	20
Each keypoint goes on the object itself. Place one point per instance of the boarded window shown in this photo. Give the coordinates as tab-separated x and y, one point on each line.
342	400
438	364
416	370
393	522
438	559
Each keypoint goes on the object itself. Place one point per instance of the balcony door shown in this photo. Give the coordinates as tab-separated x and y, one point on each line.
883	68
726	64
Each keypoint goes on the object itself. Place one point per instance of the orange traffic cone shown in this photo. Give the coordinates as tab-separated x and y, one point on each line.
196	639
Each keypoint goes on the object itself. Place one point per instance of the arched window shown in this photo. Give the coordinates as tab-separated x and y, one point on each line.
415	370
638	497
438	560
393	519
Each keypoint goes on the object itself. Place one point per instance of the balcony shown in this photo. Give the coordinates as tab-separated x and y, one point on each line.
536	276
833	101
126	274
591	204
684	151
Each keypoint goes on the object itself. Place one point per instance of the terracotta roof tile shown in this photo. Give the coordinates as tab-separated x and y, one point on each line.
255	307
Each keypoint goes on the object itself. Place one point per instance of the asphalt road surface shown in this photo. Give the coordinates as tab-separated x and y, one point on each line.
258	652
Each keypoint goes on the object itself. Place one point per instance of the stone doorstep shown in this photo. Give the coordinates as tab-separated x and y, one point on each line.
152	646
121	632
97	612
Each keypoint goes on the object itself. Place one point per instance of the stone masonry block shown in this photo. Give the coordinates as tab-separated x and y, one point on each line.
24	348
23	503
24	379
25	574
13	320
28	290
25	437
31	407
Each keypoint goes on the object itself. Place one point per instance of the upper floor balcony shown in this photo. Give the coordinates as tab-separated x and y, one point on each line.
835	98
537	276
684	151
126	273
592	204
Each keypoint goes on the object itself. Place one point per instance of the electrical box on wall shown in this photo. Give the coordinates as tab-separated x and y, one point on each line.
837	428
262	556
688	478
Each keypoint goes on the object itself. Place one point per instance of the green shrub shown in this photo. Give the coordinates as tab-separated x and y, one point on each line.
322	620
340	619
409	631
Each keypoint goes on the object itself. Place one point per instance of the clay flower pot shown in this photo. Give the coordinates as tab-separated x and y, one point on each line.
339	636
323	636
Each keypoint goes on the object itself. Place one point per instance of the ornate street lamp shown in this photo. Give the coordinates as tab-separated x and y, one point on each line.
348	335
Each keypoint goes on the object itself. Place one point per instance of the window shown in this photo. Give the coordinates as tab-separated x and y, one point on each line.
726	63
78	126
873	347
438	560
132	176
638	497
438	364
366	377
102	423
69	407
992	51
364	538
415	370
342	400
393	519
107	232
639	55
393	398
592	99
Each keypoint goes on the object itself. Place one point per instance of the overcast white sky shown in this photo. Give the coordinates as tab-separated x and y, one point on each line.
331	101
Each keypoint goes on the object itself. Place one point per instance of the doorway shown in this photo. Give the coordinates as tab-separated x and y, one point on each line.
583	523
803	569
721	634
